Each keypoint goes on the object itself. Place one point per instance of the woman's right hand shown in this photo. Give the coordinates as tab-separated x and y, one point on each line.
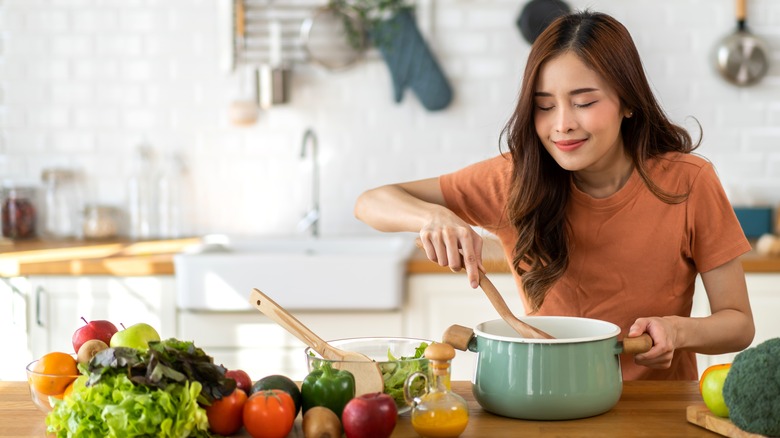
449	241
419	206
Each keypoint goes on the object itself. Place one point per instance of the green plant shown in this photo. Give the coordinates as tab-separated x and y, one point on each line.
361	16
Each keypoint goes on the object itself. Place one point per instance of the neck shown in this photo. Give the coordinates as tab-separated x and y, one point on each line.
606	182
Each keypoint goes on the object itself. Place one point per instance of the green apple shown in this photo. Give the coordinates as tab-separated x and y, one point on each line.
711	387
136	336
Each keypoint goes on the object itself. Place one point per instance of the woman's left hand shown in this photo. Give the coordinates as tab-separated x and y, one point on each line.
664	336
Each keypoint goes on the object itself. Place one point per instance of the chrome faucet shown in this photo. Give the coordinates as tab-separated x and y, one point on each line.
311	220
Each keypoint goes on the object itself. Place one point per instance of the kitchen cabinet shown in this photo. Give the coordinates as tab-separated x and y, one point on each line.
254	343
56	304
437	301
764	292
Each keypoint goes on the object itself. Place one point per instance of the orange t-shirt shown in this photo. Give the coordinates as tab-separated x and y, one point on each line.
631	254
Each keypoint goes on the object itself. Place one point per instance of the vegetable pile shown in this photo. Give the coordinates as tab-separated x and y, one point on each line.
752	389
131	392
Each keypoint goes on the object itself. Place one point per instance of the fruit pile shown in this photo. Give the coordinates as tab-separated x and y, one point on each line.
129	382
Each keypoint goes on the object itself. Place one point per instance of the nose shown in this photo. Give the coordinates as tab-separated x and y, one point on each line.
564	119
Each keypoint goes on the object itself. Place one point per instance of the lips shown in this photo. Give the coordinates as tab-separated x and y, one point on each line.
569	145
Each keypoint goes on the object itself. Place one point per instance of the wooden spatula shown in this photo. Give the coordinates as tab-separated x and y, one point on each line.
523	329
368	376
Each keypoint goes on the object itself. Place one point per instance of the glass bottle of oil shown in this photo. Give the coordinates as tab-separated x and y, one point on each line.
439	412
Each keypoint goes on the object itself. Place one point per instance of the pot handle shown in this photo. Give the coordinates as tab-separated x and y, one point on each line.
635	345
458	336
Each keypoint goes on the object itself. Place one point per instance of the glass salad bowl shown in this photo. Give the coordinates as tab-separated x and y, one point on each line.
397	358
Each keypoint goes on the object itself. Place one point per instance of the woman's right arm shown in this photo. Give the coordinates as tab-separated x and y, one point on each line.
419	206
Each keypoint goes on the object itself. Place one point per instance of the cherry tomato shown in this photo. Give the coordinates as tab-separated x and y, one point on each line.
269	414
226	415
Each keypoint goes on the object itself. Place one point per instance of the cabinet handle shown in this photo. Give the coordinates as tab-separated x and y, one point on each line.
41	305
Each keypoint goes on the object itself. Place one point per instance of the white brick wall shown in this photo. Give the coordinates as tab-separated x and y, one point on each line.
83	81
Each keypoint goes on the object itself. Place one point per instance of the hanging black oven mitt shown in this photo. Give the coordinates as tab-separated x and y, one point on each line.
411	62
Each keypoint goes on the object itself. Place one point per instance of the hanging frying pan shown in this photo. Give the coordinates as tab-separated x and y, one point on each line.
742	58
333	38
537	15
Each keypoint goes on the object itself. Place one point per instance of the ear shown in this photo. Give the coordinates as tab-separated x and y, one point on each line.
628	114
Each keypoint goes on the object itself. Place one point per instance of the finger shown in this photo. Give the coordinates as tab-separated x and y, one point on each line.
639	327
478	254
472	264
453	253
441	252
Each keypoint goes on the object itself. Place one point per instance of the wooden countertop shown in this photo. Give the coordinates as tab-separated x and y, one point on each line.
645	409
133	258
76	257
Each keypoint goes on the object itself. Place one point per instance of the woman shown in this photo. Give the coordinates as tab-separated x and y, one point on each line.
601	208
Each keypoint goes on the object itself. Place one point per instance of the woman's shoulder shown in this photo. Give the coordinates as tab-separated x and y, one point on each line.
681	172
683	159
679	163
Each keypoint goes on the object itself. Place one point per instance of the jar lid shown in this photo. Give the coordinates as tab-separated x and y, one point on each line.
57	173
100	208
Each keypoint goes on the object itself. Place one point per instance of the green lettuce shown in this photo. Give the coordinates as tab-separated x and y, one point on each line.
399	369
116	407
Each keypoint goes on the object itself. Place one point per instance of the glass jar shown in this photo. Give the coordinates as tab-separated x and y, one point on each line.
100	222
61	207
19	214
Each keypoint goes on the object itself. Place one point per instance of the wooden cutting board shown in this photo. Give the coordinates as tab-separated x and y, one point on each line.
700	415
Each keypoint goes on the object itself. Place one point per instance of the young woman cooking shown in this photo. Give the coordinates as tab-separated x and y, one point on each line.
600	206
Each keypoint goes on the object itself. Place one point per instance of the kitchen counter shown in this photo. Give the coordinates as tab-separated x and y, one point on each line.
645	409
77	257
128	258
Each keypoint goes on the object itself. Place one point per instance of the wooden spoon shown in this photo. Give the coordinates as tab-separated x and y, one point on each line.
368	376
523	329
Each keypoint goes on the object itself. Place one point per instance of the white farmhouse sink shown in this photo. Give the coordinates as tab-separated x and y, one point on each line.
298	273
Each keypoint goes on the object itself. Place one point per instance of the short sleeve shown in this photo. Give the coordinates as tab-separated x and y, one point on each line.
478	193
716	236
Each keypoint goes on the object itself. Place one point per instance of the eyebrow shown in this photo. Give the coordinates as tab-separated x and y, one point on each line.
571	93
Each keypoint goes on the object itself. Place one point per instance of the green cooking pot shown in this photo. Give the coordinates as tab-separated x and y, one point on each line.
575	375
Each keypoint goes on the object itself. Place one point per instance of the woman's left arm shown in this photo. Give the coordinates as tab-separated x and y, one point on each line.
729	328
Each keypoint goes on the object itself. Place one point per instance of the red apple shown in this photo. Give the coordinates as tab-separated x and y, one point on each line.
99	329
369	416
242	379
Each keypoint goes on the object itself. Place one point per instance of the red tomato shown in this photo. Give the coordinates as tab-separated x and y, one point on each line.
226	415
269	414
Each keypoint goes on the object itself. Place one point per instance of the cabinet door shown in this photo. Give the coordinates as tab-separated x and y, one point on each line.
437	301
764	293
256	344
60	302
14	294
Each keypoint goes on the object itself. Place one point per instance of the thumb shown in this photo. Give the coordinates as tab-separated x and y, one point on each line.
639	327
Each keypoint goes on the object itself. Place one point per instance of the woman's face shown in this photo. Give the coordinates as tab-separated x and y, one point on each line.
577	116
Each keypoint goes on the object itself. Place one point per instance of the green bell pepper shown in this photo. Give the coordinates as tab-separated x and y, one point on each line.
327	387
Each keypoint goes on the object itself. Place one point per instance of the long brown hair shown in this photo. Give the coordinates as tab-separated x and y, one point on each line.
541	188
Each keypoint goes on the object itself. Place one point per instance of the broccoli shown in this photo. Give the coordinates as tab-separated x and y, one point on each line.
752	389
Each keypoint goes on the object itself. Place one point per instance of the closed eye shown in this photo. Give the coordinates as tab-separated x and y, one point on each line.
585	105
